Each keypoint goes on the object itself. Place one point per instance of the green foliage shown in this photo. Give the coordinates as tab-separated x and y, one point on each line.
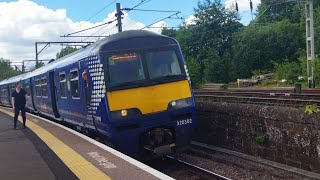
196	77
257	47
288	70
270	11
169	32
261	139
310	109
303	67
209	40
40	64
226	50
65	51
6	71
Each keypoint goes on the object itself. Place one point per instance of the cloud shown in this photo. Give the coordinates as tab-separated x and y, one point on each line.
190	20
24	22
243	5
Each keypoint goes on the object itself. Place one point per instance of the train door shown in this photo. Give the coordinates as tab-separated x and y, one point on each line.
77	103
61	92
33	93
85	94
27	87
7	95
53	91
11	88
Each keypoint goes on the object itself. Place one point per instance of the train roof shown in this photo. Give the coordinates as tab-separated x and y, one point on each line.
84	52
12	79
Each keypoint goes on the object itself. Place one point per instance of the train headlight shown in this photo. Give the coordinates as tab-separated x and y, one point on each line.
125	113
181	103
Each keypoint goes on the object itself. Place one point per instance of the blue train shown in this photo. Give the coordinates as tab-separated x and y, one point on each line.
132	89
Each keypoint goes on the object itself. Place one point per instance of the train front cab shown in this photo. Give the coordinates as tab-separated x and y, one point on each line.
149	97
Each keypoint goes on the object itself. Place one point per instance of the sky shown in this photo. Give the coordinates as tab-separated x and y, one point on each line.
24	22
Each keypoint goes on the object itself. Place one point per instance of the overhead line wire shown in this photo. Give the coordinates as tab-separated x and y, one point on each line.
97	13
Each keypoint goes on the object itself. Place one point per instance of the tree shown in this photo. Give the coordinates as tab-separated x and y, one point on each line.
197	80
40	64
288	70
259	47
6	71
65	51
270	11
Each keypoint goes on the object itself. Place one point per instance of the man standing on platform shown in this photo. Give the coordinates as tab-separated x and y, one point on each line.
19	100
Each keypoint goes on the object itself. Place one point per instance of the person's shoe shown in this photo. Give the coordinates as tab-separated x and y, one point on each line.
16	128
24	127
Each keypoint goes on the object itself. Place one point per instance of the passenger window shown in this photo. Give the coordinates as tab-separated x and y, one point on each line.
63	85
44	87
28	89
74	82
38	87
13	88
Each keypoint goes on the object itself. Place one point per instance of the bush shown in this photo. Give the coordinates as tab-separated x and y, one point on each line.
197	80
288	70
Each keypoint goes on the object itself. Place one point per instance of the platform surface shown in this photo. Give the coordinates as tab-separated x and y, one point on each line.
47	150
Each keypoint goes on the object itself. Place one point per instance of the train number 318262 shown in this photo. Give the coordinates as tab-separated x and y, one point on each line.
184	122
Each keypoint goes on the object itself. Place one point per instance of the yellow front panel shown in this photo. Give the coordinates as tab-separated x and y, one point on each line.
149	99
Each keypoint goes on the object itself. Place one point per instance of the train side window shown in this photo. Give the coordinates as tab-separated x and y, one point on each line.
74	81
38	87
63	85
44	87
28	89
5	93
13	88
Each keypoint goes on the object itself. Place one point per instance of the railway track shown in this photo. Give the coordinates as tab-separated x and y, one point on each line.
262	98
266	90
260	94
287	170
180	169
199	169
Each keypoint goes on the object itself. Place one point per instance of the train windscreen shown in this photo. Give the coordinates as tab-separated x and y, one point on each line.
143	68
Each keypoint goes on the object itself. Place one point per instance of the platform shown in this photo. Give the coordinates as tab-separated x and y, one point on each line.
47	150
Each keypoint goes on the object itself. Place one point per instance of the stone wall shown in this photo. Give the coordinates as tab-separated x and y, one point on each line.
283	134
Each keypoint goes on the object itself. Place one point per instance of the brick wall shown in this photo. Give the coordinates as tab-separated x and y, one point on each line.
282	134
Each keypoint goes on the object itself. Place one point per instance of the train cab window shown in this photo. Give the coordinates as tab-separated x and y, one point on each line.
74	82
44	87
162	64
125	68
63	85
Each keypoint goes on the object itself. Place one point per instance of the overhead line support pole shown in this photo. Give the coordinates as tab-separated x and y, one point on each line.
119	15
310	43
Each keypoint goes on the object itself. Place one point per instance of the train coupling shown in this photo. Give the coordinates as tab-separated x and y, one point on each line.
159	141
163	150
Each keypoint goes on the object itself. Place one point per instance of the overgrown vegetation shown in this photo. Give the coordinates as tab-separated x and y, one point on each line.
314	108
226	50
261	139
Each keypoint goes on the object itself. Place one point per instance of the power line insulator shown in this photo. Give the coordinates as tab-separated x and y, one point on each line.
251	6
237	8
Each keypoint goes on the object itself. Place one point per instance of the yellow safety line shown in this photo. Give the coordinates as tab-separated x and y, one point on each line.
82	168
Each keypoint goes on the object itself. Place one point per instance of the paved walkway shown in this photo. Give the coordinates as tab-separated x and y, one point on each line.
46	150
